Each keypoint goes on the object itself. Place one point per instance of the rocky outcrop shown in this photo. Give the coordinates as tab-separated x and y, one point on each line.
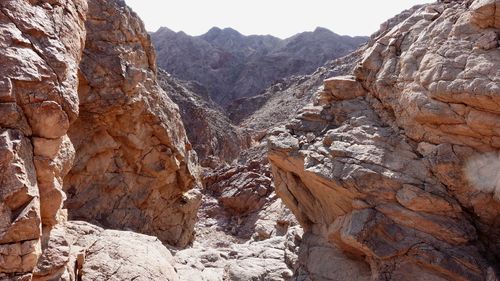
232	66
128	146
389	165
134	167
40	50
99	254
213	136
81	251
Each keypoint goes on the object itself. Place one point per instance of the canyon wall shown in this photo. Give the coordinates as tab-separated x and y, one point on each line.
41	49
396	165
134	166
213	136
81	111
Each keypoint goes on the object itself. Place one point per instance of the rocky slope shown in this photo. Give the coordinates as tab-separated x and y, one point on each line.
213	136
231	65
387	167
38	101
80	109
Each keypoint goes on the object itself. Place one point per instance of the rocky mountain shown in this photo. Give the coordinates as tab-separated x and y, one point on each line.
231	65
379	165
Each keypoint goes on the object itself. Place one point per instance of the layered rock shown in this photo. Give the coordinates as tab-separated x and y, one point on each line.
232	66
40	50
388	165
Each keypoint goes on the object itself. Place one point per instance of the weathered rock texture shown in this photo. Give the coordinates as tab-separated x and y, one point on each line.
231	65
96	254
244	231
268	260
131	150
279	103
213	136
389	165
134	166
40	47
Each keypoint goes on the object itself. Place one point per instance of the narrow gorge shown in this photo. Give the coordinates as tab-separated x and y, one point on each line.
128	155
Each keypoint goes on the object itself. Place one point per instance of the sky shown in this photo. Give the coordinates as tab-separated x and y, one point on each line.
280	18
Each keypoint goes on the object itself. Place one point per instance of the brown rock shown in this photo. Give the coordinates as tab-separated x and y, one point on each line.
213	136
398	176
134	167
40	51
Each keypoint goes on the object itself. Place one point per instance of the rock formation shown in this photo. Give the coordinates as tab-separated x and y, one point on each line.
134	166
391	170
231	65
212	135
78	86
395	164
40	51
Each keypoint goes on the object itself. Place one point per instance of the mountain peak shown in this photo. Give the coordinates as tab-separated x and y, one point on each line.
165	29
320	29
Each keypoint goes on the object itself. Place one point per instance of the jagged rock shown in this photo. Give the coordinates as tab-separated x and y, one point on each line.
134	167
232	66
380	166
241	188
275	106
214	138
40	49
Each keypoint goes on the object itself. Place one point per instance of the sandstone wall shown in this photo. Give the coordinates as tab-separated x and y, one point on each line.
397	165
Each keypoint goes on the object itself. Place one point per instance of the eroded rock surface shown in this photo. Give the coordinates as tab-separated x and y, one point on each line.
42	93
224	258
134	166
40	49
388	165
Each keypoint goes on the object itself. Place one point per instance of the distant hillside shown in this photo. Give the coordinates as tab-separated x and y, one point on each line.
231	65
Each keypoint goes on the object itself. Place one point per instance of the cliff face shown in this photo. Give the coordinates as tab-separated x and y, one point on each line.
231	65
396	165
134	166
94	120
40	50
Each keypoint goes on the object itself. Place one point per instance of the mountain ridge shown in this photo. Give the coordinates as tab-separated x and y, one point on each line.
232	65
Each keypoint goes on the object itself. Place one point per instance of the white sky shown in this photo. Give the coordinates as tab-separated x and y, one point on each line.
280	18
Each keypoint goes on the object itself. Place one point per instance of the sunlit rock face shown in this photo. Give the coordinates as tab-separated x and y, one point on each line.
396	165
134	167
127	148
40	49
